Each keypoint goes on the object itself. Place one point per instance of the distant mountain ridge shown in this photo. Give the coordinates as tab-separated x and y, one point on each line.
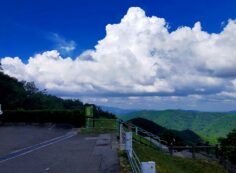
232	112
209	125
117	111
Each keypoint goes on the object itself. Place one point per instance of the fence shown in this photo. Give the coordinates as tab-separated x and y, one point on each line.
144	137
207	151
126	142
129	133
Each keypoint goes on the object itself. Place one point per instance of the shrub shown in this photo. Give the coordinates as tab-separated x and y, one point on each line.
73	117
228	147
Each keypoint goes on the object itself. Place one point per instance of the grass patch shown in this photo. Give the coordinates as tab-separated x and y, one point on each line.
101	125
211	139
171	164
143	141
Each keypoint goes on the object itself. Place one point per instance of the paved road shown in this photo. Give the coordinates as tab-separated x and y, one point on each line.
15	137
77	153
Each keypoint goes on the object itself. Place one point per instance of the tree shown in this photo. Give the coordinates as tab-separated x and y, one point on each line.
30	88
12	92
17	95
1	69
228	146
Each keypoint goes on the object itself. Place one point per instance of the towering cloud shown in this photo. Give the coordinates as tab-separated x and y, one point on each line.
140	56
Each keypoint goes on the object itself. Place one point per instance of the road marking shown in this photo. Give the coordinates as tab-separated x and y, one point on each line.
51	127
32	148
47	169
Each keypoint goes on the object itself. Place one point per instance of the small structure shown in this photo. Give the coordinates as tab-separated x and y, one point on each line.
89	111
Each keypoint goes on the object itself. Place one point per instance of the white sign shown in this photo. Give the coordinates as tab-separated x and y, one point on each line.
148	167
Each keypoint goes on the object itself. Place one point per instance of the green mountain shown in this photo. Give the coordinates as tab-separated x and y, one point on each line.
209	125
185	137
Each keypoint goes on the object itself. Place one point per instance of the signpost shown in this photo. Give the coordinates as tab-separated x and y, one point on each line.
89	113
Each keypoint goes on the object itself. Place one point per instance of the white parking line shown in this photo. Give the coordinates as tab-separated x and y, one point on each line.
32	148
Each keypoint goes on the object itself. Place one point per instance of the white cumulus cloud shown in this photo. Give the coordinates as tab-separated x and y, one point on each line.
139	56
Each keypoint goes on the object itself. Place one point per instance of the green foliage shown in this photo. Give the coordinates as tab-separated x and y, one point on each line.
73	117
169	164
228	146
209	125
12	92
24	96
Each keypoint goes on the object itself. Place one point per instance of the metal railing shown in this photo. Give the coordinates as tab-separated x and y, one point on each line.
126	140
132	156
153	139
134	162
209	151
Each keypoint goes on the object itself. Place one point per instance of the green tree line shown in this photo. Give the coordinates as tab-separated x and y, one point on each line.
23	101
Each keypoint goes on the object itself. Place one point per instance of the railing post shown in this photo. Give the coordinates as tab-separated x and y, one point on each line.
128	143
136	130
171	150
207	149
193	152
121	136
93	122
148	167
217	151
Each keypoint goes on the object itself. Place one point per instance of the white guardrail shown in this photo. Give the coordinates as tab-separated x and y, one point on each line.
126	143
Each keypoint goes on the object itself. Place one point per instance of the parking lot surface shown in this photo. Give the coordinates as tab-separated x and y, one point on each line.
51	149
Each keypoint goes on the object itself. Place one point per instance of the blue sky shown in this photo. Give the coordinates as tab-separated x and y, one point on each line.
26	26
73	28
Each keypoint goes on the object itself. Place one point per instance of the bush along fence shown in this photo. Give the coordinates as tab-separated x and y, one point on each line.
126	143
73	117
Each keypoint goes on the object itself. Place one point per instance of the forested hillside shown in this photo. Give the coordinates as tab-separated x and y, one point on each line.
185	137
208	125
16	95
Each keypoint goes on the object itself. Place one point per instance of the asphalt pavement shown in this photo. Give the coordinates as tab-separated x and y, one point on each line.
49	149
